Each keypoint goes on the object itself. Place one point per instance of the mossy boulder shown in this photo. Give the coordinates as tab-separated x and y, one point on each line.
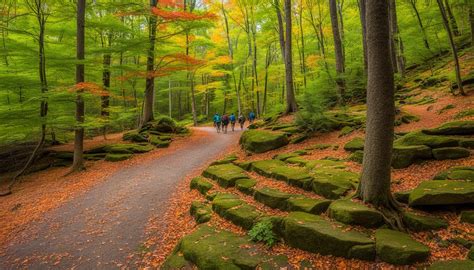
357	156
432	141
456	173
163	124
453	128
470	255
127	148
403	156
225	174
352	213
315	234
452	265
226	160
307	205
201	212
285	156
467	216
467	143
246	165
159	143
442	192
450	153
201	184
420	223
134	136
176	261
246	185
244	216
402	196
346	131
273	198
95	157
399	248
354	145
267	167
333	183
209	248
260	141
278	170
117	157
225	201
299	138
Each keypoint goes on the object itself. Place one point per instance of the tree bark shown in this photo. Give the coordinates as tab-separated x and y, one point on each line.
362	4
291	105
281	33
303	56
338	50
105	98
452	19
150	67
457	68
374	187
78	161
396	40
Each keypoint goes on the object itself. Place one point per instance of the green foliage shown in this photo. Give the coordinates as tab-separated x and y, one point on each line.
263	232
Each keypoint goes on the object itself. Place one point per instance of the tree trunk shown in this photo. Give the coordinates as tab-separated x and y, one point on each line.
267	65
193	101
150	67
105	98
364	31
396	40
281	33
420	23
303	60
291	105
338	50
78	162
453	47
452	19
374	186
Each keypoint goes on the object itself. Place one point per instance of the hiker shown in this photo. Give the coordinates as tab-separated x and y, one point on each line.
251	117
232	121
242	121
217	122
225	123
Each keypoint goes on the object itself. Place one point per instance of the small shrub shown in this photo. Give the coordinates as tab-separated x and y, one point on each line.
263	232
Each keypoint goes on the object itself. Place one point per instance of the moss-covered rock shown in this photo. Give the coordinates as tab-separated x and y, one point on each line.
98	156
201	212
346	131
201	184
442	192
117	157
450	153
285	156
452	265
278	170
467	143
403	156
420	223
225	201
259	141
467	216
354	144
163	124
246	185
127	148
244	216
158	142
333	183
357	156
134	136
399	248
308	205
432	141
470	255
402	196
208	248
456	173
453	128
226	160
272	197
315	234
246	165
176	261
299	138
225	174
349	212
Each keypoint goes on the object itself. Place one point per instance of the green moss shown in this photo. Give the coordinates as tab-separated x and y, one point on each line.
453	128
200	184
272	198
403	156
353	213
420	223
450	153
399	248
465	113
442	192
456	173
452	265
354	144
244	216
176	261
346	131
117	157
467	216
225	174
226	160
224	201
357	156
127	148
246	185
308	205
285	156
201	212
432	141
259	141
134	136
319	147
467	143
159	143
315	234
333	183
246	165
280	171
402	196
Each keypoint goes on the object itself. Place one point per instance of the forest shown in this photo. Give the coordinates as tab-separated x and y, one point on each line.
356	104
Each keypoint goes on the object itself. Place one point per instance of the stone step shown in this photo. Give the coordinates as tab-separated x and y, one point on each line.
399	248
232	208
442	192
225	174
353	213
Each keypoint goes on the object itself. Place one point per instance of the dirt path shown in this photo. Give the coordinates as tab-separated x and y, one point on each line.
105	226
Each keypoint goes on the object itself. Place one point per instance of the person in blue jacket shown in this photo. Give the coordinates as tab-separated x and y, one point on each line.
232	121
217	122
251	117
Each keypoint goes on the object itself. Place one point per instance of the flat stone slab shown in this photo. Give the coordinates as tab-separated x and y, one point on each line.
450	153
209	248
333	183
273	198
453	128
315	234
246	185
276	169
127	148
244	216
260	141
201	184
201	212
456	173
225	174
452	265
354	145
442	192
349	212
420	223
308	205
399	248
432	141
405	155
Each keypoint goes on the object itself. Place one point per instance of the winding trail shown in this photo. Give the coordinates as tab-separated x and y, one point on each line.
103	227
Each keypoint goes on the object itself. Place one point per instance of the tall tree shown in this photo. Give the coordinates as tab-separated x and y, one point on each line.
149	101
374	187
457	68
338	50
420	23
291	105
78	162
452	19
364	31
396	40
